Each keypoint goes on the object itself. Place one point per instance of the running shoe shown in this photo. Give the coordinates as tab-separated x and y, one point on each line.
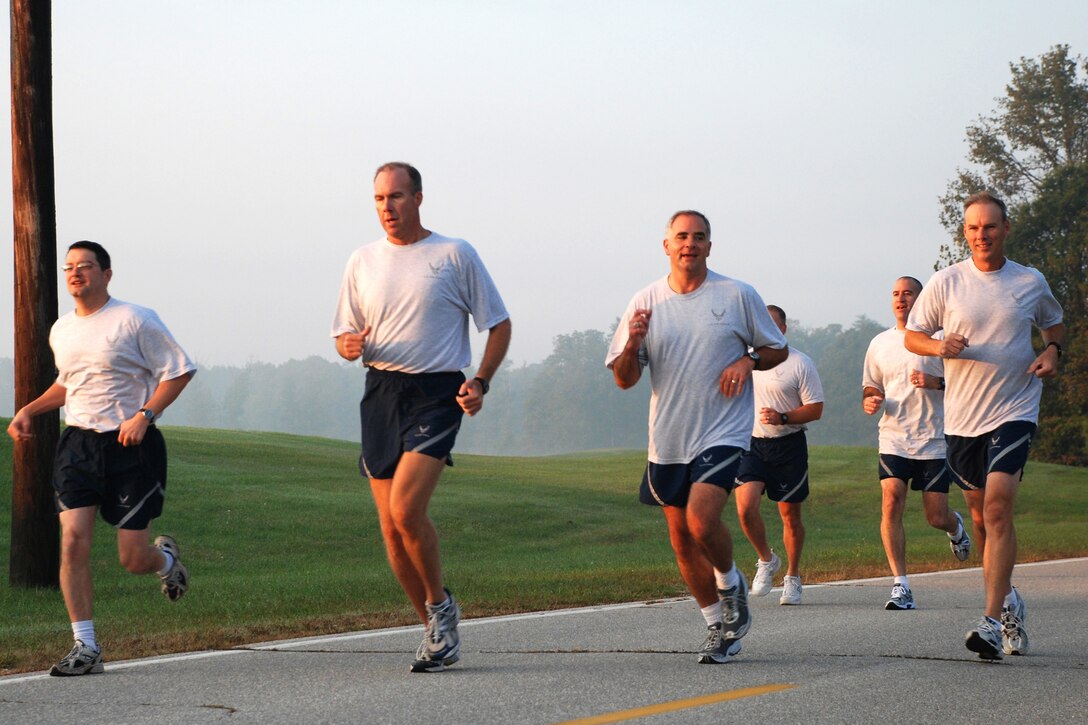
176	581
901	598
442	644
985	639
737	618
962	547
1014	638
82	660
764	578
791	590
717	649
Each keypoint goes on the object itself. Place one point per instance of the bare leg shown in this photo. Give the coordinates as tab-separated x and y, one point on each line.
695	568
136	553
748	498
891	524
938	514
77	529
793	535
411	542
1000	554
975	501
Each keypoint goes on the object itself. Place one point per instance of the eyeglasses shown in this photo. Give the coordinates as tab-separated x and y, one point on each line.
80	267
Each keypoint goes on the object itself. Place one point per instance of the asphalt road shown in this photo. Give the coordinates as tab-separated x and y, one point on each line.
837	658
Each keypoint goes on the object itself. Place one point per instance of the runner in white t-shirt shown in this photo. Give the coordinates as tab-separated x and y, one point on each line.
786	400
118	368
987	306
912	449
403	310
701	334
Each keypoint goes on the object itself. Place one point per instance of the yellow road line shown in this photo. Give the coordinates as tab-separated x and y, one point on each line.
663	707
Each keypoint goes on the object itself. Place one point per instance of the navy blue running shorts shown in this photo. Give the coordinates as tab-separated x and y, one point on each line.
931	475
669	484
1004	450
406	412
127	483
781	464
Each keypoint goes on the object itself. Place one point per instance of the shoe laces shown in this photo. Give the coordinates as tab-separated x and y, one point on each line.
713	637
898	590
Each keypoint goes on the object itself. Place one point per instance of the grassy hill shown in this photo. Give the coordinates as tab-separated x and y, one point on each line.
281	539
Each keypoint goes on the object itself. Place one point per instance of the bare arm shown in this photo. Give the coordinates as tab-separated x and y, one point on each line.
625	368
132	430
51	399
471	395
922	344
349	345
804	414
871	399
1046	364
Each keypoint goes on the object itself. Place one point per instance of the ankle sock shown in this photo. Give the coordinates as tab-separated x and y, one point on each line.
903	580
713	613
169	563
729	579
84	631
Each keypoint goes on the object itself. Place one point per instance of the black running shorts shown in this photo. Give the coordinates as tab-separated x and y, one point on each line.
127	483
930	476
402	413
1004	450
781	464
669	484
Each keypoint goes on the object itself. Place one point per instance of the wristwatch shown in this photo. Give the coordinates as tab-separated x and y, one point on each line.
785	418
148	413
484	386
755	358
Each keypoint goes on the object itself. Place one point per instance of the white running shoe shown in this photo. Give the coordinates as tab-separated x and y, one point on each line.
791	590
176	581
985	639
1014	638
764	578
901	598
82	660
961	548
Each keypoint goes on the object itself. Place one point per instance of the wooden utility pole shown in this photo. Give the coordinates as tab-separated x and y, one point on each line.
35	541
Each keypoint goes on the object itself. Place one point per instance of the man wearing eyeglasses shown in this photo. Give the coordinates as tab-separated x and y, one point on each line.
118	369
403	309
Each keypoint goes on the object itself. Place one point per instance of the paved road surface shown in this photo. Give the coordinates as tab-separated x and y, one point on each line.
838	658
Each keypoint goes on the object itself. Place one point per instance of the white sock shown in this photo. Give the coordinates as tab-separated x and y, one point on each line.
438	607
960	531
713	613
84	631
903	580
169	563
1010	599
729	579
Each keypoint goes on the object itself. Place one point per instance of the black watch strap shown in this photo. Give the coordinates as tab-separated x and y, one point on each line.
1056	344
484	386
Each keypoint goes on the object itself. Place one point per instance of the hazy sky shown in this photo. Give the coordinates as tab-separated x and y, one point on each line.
223	151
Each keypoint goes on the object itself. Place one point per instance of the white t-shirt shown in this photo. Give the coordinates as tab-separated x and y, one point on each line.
988	384
111	361
690	340
912	424
790	384
417	299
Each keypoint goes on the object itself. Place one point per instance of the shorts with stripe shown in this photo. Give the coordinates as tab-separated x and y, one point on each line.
781	464
1004	450
930	475
126	483
669	484
407	413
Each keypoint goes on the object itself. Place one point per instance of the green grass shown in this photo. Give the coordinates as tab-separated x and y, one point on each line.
281	539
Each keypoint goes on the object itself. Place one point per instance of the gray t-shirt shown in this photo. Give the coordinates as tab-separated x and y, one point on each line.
989	383
416	298
111	361
690	340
